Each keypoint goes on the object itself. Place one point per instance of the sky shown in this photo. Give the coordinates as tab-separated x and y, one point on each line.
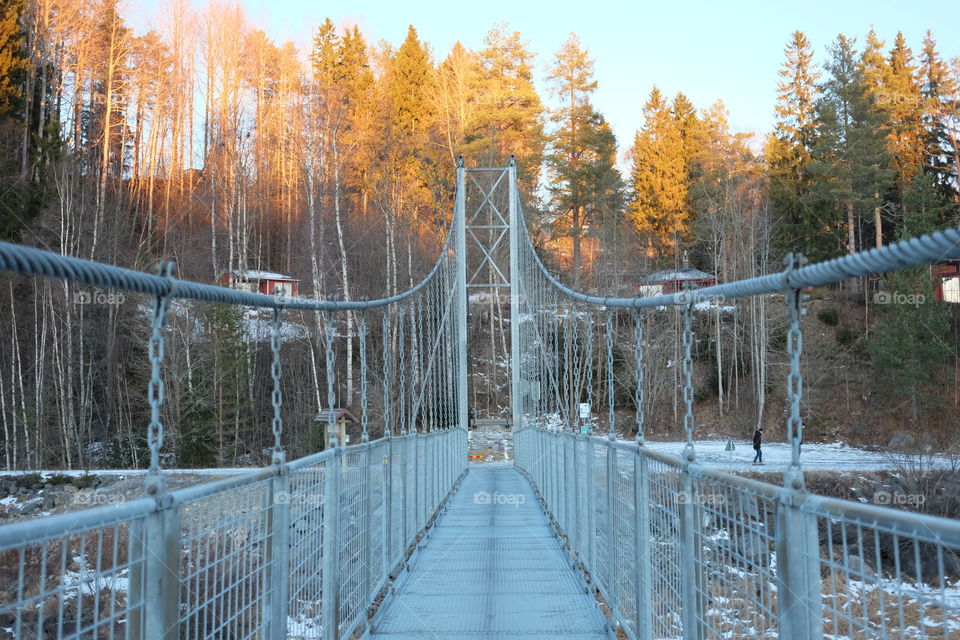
709	50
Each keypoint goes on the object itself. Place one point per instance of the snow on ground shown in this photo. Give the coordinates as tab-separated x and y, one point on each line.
813	456
497	446
78	473
493	445
257	327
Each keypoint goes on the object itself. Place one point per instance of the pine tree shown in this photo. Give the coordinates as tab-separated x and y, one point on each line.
18	201
324	56
874	67
849	161
13	61
904	111
789	149
659	174
217	421
359	90
581	159
508	119
913	337
939	91
410	91
458	83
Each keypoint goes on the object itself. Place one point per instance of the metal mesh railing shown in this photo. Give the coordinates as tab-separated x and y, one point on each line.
74	577
680	551
677	550
296	550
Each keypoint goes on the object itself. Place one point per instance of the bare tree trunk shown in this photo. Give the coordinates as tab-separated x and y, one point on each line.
878	224
719	364
343	261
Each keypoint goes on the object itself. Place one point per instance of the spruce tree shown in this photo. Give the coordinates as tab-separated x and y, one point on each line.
789	149
410	92
409	119
913	337
582	153
13	60
849	161
508	119
20	199
659	208
904	112
939	90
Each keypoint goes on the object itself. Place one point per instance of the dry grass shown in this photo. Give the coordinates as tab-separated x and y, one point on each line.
870	607
78	581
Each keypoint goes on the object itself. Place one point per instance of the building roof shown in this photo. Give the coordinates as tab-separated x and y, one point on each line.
669	275
672	275
259	274
332	415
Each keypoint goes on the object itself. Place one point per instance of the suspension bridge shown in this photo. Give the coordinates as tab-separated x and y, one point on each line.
581	536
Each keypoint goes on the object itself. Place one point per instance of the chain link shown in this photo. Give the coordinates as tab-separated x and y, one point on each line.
385	321
401	400
575	388
416	352
688	340
794	299
155	350
277	396
610	387
331	381
589	375
638	374
364	418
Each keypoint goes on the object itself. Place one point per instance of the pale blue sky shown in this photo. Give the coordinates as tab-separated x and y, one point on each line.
708	50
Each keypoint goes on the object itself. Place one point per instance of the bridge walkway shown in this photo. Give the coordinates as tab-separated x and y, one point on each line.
490	568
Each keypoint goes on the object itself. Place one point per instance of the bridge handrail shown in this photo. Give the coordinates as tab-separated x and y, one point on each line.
904	254
641	521
906	523
40	262
300	521
35	529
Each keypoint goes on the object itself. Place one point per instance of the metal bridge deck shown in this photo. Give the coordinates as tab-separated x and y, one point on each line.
490	568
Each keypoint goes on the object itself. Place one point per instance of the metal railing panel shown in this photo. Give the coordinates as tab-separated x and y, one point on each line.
77	577
223	544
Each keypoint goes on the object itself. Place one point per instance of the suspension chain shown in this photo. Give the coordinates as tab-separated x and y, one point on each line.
688	423
364	418
387	430
589	376
331	380
155	350
638	374
401	400
277	396
610	388
795	309
575	388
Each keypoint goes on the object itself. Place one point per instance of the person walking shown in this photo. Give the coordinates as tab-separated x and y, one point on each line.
757	441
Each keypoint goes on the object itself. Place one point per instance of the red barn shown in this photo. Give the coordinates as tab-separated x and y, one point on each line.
258	281
947	273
